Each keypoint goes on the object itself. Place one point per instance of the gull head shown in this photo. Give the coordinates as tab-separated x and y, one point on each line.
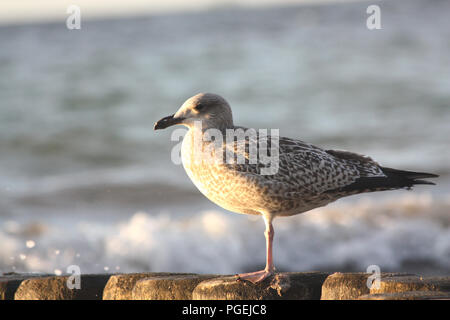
210	109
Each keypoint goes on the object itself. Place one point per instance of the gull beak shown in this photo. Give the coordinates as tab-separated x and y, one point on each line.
167	122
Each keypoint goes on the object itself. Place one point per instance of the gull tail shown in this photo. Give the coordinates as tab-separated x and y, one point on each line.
394	179
408	178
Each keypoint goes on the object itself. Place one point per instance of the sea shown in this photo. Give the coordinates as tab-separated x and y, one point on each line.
85	181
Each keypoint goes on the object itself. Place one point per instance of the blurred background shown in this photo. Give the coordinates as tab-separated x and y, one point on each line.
84	179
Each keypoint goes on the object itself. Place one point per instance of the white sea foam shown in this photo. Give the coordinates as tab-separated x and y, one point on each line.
389	232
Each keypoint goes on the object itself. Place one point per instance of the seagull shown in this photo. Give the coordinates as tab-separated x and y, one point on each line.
305	176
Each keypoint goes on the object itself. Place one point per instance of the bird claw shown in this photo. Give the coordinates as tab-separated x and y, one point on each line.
254	277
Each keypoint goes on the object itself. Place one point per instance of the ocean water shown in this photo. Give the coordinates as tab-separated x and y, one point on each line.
85	180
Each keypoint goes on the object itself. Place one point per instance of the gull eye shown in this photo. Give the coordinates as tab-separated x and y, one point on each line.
199	107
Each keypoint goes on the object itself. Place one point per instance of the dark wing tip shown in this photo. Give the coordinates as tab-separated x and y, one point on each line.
408	174
394	179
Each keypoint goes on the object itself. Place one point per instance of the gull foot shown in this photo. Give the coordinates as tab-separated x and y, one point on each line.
254	277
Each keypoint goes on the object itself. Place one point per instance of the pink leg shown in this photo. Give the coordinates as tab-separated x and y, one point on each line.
258	276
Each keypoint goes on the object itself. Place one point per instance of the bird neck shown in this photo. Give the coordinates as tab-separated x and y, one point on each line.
207	125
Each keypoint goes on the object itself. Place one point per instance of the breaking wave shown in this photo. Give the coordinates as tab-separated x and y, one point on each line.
410	232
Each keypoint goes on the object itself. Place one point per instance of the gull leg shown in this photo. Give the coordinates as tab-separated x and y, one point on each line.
259	276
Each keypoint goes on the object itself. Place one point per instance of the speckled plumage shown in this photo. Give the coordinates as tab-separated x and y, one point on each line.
307	177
